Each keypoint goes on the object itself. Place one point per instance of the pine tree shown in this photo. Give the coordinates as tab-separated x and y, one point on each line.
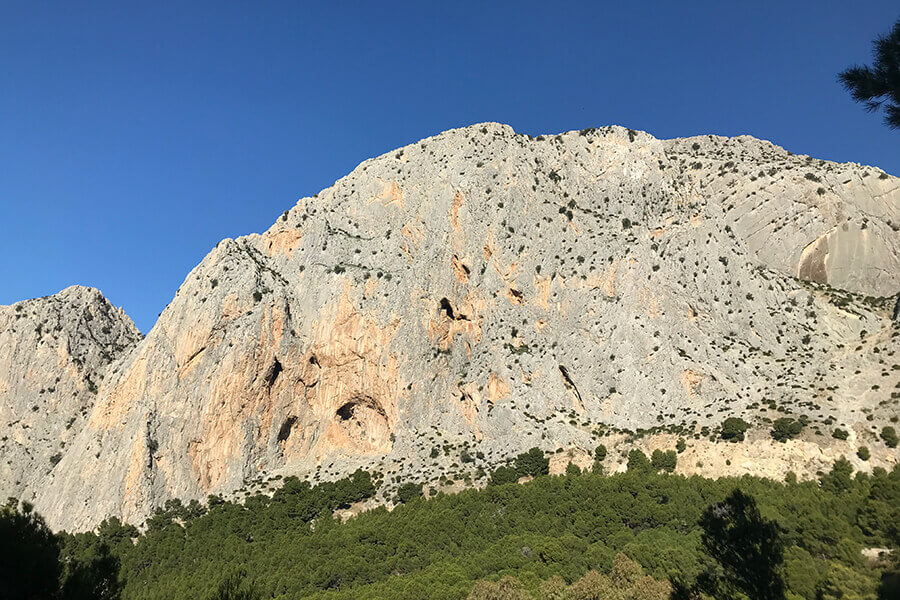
748	547
880	83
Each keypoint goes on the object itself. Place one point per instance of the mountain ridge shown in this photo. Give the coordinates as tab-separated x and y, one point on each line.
519	274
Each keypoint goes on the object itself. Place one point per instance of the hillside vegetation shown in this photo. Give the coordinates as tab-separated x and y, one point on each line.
580	535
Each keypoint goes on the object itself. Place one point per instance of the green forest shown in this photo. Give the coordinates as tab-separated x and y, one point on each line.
645	534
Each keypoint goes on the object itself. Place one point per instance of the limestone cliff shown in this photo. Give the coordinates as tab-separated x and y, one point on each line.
491	290
53	353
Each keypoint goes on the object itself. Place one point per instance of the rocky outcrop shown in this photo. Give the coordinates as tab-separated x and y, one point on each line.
53	355
486	290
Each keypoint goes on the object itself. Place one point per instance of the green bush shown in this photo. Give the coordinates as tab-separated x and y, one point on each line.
408	492
638	461
573	469
839	480
663	461
503	475
840	434
889	436
863	453
733	429
599	456
786	428
532	463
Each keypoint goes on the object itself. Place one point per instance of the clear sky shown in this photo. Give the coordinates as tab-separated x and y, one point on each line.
134	136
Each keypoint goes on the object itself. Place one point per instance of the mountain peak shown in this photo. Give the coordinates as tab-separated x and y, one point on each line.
492	291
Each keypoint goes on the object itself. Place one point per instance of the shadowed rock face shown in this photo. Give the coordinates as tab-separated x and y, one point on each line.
486	287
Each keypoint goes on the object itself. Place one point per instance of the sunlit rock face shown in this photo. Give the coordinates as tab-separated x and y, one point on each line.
54	352
486	288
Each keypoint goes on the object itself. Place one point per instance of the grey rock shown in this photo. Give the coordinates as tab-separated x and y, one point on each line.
486	290
53	353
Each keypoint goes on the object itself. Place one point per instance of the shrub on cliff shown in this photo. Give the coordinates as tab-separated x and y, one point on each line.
504	474
599	457
408	492
638	462
733	429
663	461
889	436
786	428
532	463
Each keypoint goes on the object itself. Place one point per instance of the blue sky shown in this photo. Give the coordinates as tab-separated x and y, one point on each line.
135	136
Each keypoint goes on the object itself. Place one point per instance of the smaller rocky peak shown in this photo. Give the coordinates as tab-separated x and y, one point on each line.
79	318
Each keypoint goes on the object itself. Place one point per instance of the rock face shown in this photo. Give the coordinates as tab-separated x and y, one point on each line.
488	290
53	353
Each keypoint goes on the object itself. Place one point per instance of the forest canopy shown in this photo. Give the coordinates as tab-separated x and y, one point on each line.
556	534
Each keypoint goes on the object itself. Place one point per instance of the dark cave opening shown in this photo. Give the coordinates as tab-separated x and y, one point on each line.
346	411
285	432
274	371
447	308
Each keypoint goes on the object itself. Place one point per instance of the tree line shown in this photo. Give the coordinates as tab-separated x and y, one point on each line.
690	537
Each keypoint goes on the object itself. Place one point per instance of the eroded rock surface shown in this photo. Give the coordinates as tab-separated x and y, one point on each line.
53	353
487	290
